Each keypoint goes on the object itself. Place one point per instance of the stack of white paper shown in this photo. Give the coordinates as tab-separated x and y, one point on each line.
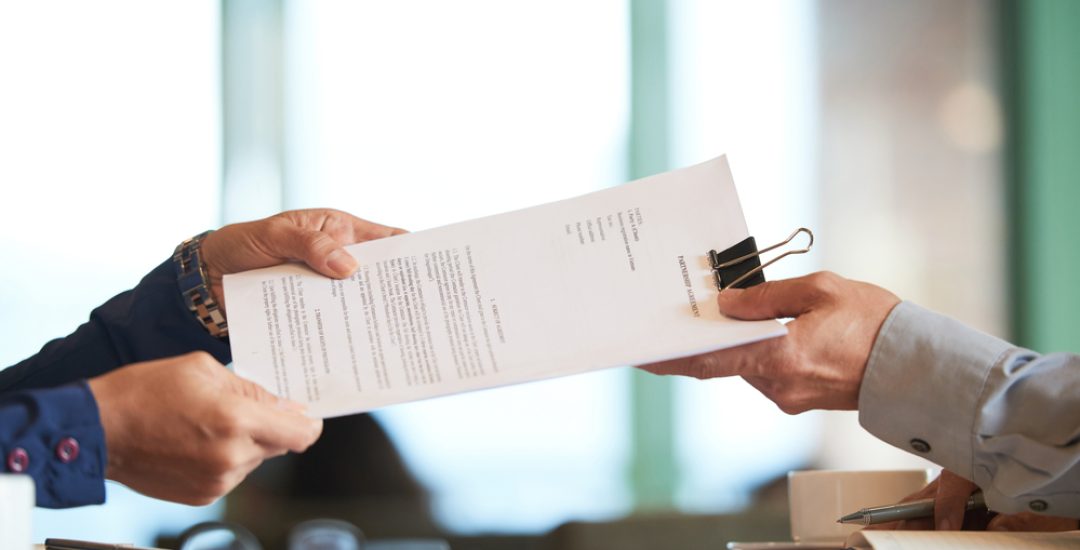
616	277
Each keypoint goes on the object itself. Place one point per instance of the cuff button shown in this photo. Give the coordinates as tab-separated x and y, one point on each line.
18	460
920	446
1038	505
67	450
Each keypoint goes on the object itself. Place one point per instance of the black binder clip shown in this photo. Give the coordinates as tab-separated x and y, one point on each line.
740	266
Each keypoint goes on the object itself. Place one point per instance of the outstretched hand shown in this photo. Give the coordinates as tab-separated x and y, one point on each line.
819	364
315	237
185	429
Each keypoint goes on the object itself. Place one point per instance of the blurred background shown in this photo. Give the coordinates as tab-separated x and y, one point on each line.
934	146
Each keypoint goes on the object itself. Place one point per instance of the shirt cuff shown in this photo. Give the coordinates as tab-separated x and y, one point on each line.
61	444
923	382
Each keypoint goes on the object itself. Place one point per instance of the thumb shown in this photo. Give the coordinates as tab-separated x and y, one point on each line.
276	429
319	250
317	236
276	423
772	300
250	390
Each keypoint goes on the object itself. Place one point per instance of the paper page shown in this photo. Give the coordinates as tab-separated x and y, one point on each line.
616	277
965	540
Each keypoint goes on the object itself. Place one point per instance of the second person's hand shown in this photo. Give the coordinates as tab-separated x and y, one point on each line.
951	492
185	429
819	364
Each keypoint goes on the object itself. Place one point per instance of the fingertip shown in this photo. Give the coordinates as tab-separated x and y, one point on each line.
251	390
341	263
313	424
729	296
730	293
304	432
291	406
315	427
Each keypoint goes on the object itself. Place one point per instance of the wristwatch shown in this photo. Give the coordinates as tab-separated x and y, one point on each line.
193	282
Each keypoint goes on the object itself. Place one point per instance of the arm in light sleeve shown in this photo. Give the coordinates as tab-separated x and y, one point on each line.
55	436
145	323
1002	416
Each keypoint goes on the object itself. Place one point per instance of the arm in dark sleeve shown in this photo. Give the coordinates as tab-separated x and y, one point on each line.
147	322
55	436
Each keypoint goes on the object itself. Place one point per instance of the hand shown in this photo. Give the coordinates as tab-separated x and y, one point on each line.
314	236
950	493
1028	521
186	429
819	364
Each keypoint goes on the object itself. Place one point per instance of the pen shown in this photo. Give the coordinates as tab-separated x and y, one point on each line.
70	544
908	510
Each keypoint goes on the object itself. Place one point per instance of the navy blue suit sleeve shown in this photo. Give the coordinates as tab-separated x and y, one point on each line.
55	436
45	401
148	322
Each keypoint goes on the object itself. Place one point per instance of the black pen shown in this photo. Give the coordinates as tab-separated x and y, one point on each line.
70	544
908	510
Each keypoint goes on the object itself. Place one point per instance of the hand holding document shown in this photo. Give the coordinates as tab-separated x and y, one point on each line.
616	277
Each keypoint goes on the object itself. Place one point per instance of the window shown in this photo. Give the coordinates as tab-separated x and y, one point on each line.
109	125
419	113
744	83
422	113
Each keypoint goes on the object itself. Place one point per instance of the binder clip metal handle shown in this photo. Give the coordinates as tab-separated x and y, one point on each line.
732	272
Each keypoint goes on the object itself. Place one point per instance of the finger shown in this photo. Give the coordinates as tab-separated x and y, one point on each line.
260	409
363	230
250	466
209	488
771	300
268	453
342	226
889	526
1027	521
323	253
929	491
951	501
746	360
274	428
251	390
917	524
1006	522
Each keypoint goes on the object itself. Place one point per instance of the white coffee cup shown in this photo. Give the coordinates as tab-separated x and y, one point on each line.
16	507
820	497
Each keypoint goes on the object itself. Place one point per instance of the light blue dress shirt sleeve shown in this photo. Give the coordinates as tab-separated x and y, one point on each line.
1004	417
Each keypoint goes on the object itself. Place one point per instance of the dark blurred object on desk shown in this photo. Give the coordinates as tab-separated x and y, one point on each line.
353	473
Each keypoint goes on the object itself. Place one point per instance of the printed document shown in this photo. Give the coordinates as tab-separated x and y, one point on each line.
964	540
616	277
